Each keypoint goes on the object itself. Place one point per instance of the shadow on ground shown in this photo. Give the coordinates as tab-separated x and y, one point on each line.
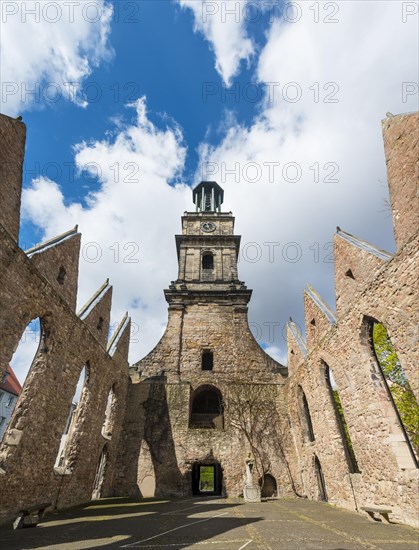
119	522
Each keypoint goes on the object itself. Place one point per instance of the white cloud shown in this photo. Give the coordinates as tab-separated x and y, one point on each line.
223	23
365	58
286	227
128	226
62	42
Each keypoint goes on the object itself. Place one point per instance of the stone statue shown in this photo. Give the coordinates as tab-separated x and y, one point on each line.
251	491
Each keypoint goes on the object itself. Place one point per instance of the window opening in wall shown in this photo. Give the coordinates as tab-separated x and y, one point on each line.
321	485
397	384
207	260
207	360
207	409
305	413
74	412
61	275
350	274
16	373
340	417
100	323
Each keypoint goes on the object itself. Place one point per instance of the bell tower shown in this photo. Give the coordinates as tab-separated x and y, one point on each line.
207	252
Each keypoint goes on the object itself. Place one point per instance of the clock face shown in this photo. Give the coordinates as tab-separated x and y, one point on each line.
208	227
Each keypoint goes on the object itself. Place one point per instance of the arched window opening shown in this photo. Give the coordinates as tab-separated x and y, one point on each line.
398	386
100	474
207	360
110	412
340	417
100	323
207	409
16	373
305	416
321	485
61	275
70	429
268	486
208	261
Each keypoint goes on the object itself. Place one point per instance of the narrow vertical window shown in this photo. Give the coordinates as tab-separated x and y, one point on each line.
321	485
305	415
17	371
64	450
343	427
207	260
207	360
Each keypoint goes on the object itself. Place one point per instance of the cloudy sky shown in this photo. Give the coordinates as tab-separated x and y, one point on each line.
129	104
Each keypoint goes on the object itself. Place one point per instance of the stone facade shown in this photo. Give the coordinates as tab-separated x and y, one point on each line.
207	395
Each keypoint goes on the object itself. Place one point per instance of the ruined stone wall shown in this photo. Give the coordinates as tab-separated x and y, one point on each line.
12	140
159	443
219	327
158	435
401	145
370	285
29	289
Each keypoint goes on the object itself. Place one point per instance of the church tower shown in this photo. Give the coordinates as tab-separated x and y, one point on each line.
185	382
207	253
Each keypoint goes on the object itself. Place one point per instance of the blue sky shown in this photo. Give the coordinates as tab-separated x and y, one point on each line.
156	54
160	57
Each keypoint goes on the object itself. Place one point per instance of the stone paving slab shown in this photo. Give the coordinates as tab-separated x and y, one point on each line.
209	524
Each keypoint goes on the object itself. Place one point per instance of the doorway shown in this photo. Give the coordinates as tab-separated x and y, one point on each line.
206	479
268	486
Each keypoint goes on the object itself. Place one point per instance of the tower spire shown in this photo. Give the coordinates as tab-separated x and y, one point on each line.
208	196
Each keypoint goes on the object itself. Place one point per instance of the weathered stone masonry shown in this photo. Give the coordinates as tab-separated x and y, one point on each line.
208	394
42	283
370	285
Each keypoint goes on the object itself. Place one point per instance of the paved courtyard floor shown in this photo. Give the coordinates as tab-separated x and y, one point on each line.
209	524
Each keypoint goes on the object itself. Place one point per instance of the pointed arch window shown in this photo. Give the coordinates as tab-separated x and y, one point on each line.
30	345
340	418
77	403
305	416
399	390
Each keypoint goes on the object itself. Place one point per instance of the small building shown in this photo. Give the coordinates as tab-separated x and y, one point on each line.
10	390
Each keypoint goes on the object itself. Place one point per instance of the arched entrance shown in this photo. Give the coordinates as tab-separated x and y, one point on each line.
268	486
207	479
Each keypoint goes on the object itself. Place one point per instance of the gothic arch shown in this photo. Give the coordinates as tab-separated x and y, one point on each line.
305	416
389	376
68	448
206	409
336	403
